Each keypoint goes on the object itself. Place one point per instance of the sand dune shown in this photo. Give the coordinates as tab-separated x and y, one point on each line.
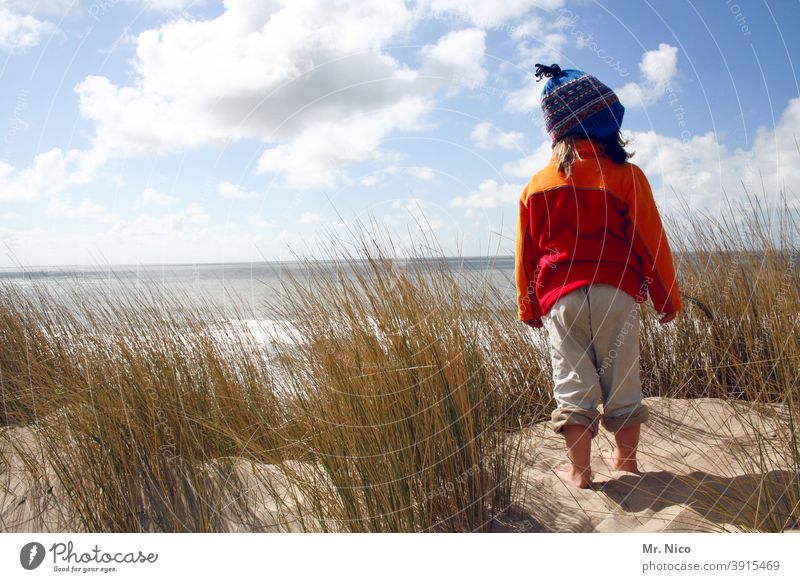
698	459
699	472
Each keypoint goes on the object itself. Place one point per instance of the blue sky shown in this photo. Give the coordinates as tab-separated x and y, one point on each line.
179	131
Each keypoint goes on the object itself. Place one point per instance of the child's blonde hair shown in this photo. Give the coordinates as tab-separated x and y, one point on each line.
566	153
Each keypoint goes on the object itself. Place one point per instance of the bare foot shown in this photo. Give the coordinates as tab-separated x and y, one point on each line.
619	464
573	476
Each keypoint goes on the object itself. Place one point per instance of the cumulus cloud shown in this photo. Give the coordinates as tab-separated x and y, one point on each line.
263	70
424	173
490	194
700	167
482	13
148	225
486	136
151	196
52	8
658	68
85	210
167	5
526	98
317	155
457	58
527	165
309	217
540	40
233	192
417	214
52	172
21	30
313	82
47	176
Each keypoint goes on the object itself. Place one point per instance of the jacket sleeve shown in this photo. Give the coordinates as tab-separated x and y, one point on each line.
525	261
646	233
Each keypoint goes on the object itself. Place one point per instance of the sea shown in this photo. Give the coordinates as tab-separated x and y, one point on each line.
241	294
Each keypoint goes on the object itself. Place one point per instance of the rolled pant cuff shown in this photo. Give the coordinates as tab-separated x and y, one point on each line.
564	416
616	423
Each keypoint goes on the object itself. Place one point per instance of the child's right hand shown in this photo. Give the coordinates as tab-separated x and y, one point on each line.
667	318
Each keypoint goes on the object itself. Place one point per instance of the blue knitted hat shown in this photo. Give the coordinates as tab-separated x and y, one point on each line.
574	102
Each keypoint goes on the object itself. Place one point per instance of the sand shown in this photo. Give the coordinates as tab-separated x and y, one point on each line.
698	461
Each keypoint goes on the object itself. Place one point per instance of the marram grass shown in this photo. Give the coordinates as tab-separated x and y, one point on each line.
393	412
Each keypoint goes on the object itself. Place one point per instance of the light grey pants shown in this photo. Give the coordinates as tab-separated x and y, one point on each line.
594	346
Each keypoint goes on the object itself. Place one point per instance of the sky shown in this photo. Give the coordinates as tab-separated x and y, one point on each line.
181	131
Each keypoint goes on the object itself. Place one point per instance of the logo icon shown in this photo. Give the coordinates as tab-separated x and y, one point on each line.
31	555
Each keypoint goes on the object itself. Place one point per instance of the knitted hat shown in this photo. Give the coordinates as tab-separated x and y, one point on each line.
575	102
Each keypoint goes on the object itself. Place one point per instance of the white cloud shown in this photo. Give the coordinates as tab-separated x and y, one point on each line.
416	212
47	176
526	166
539	41
309	78
263	70
526	98
660	65
486	136
658	68
700	167
233	192
318	154
85	210
424	173
52	8
20	31
147	225
412	205
260	222
490	194
152	197
380	176
483	13
51	173
543	47
167	5
457	58
309	218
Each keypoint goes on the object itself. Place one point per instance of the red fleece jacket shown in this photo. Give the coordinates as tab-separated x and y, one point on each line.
599	226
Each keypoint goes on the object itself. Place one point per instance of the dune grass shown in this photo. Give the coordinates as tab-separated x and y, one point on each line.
393	411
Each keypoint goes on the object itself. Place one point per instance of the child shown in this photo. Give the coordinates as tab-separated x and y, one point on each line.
590	248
